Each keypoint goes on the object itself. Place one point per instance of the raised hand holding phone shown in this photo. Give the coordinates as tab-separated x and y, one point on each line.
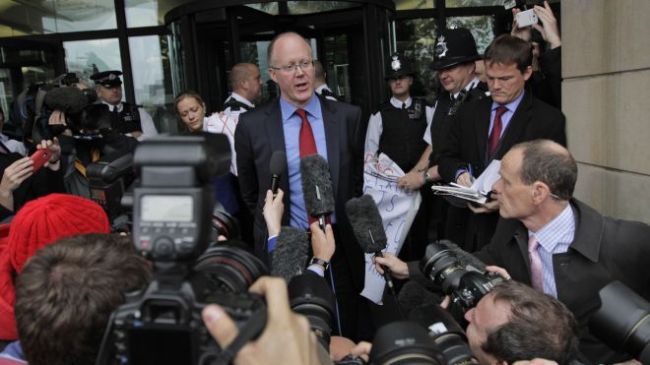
40	157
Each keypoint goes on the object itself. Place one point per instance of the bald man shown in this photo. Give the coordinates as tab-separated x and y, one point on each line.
336	131
246	84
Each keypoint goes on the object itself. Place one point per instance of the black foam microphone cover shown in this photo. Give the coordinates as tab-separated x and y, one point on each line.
317	186
413	295
289	258
66	99
277	167
366	223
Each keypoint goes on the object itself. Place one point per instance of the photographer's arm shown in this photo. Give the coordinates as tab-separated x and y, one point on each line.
286	339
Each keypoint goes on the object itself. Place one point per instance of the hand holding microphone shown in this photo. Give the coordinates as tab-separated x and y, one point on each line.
317	188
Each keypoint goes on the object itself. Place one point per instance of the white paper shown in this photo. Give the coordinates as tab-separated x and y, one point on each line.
397	208
480	189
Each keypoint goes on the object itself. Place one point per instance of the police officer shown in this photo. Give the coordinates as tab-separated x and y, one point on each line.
126	118
396	130
246	85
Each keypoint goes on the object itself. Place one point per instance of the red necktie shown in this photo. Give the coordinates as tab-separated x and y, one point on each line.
493	141
307	142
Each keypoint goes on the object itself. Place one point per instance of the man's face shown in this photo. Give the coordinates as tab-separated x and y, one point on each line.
454	79
506	82
110	95
296	85
485	318
400	86
253	84
515	198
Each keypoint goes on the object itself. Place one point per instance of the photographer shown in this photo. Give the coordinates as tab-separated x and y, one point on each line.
39	223
67	291
287	338
21	183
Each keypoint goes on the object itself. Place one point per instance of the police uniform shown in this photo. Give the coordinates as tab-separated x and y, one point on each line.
396	130
326	92
126	118
236	104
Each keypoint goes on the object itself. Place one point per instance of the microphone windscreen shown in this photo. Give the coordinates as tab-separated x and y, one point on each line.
278	164
413	295
289	258
366	223
317	185
67	99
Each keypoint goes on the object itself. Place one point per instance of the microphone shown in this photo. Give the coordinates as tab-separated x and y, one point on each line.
69	100
289	258
369	230
443	329
277	167
413	295
317	187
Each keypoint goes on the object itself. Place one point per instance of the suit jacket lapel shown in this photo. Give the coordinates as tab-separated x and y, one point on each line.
482	123
275	132
517	125
332	138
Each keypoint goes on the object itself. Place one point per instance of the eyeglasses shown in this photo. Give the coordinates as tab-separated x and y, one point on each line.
303	65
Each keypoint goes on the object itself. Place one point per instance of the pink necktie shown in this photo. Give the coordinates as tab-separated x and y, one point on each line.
495	136
535	265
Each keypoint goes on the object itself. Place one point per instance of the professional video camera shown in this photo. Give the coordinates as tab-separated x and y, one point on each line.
623	321
466	284
171	209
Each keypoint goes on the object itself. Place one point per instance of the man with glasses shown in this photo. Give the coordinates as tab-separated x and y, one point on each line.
301	123
396	130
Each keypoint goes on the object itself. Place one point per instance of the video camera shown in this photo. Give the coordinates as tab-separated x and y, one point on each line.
172	204
465	284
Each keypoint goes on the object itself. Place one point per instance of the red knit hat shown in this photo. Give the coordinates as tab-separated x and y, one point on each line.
39	223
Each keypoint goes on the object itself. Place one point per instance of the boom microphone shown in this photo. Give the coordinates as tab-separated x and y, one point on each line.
69	100
277	167
317	187
289	258
413	295
369	230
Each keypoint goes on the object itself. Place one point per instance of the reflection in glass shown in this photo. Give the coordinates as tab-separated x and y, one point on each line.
416	41
269	8
482	28
98	54
309	7
337	65
414	4
152	79
255	52
147	13
468	3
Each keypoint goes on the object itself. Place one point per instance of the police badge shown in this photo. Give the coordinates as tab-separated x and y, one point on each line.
441	47
395	64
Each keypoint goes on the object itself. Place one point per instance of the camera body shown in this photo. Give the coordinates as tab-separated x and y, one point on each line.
465	284
172	206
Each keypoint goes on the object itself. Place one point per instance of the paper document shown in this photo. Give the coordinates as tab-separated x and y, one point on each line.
480	189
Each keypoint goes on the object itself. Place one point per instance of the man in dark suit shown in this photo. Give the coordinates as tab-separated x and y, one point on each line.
560	245
279	126
486	129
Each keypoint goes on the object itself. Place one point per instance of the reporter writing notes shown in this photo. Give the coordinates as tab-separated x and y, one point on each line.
20	183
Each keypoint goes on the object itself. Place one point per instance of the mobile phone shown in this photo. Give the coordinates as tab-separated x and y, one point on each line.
526	18
40	157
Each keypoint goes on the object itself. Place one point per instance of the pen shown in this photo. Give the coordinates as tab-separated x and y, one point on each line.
471	172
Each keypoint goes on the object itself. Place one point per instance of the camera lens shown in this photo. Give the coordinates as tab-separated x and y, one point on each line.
310	296
227	267
402	343
442	266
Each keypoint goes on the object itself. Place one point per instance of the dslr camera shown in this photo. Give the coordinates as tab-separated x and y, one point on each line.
172	206
465	284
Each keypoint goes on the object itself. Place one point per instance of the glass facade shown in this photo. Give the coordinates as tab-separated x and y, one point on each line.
89	56
55	16
416	40
482	28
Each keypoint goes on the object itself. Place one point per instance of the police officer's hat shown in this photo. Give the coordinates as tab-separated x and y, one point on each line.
453	47
107	78
398	67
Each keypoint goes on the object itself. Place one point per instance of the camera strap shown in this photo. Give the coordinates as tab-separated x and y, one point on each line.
254	326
